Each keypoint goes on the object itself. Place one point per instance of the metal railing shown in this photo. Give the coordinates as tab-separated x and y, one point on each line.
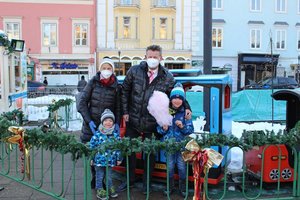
126	3
50	170
51	90
44	168
164	3
38	101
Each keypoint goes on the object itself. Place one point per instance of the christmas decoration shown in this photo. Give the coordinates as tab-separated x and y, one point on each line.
53	109
202	161
59	141
18	138
4	41
58	104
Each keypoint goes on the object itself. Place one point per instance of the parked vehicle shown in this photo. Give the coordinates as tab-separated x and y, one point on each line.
35	86
278	83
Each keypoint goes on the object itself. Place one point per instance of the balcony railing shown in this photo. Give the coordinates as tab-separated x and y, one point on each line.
127	3
164	3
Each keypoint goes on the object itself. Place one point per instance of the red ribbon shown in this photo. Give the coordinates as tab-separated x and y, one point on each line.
199	161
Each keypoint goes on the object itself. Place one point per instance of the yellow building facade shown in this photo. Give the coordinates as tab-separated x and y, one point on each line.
126	27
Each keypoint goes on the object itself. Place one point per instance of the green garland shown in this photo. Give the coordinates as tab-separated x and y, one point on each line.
64	143
6	43
58	104
16	116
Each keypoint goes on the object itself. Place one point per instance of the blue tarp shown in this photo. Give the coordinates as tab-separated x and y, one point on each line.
247	105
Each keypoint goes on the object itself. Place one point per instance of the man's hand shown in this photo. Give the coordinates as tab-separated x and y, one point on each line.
126	118
179	123
165	127
188	114
92	127
119	162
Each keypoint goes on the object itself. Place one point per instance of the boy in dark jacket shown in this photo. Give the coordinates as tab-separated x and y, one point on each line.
179	129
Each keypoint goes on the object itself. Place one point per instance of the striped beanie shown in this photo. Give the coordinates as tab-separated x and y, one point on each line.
107	114
177	92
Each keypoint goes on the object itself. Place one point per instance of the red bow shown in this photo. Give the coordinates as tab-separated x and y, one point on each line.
199	161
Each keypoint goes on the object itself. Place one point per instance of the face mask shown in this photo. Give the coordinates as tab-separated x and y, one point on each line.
106	73
152	63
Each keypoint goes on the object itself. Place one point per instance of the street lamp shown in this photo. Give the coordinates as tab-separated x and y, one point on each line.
119	64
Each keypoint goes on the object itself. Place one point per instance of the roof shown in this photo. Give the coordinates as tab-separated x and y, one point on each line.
183	76
281	23
287	94
255	22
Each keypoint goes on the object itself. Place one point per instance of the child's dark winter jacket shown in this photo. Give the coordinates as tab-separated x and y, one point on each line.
100	138
174	131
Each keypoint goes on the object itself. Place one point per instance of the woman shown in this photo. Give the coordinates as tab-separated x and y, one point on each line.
102	92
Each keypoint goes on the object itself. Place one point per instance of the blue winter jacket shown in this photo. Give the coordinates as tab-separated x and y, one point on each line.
174	131
100	138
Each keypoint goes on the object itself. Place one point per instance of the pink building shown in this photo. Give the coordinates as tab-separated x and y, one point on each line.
59	34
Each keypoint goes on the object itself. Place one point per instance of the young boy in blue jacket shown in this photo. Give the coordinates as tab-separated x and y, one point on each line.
179	129
106	132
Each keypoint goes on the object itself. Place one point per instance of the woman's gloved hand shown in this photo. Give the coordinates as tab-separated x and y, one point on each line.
92	127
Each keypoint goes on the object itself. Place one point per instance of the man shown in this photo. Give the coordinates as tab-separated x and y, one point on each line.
45	81
138	86
81	84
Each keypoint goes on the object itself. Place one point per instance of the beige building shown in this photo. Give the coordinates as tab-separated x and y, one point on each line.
126	27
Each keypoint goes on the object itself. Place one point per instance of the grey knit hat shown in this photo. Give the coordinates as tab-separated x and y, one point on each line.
107	114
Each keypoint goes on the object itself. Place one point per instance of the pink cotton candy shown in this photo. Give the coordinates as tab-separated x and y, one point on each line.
158	107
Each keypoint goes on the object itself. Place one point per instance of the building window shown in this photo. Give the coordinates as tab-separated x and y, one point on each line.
13	30
126	27
255	38
81	33
280	40
162	2
116	28
49	34
153	28
217	37
255	5
163	29
298	7
217	4
126	2
298	39
280	6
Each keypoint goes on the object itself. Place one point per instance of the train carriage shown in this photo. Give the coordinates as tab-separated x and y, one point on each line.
219	114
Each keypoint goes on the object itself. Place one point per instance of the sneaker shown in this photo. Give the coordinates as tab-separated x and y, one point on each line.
112	192
123	186
101	194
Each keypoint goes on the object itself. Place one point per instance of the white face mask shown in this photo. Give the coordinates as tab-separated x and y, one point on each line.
106	73
152	63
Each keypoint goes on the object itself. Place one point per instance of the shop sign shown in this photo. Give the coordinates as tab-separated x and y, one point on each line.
64	65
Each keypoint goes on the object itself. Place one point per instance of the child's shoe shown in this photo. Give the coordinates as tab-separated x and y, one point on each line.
112	192
101	194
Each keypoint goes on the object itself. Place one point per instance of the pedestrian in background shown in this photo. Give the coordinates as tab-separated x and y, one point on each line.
107	132
102	92
45	81
81	84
